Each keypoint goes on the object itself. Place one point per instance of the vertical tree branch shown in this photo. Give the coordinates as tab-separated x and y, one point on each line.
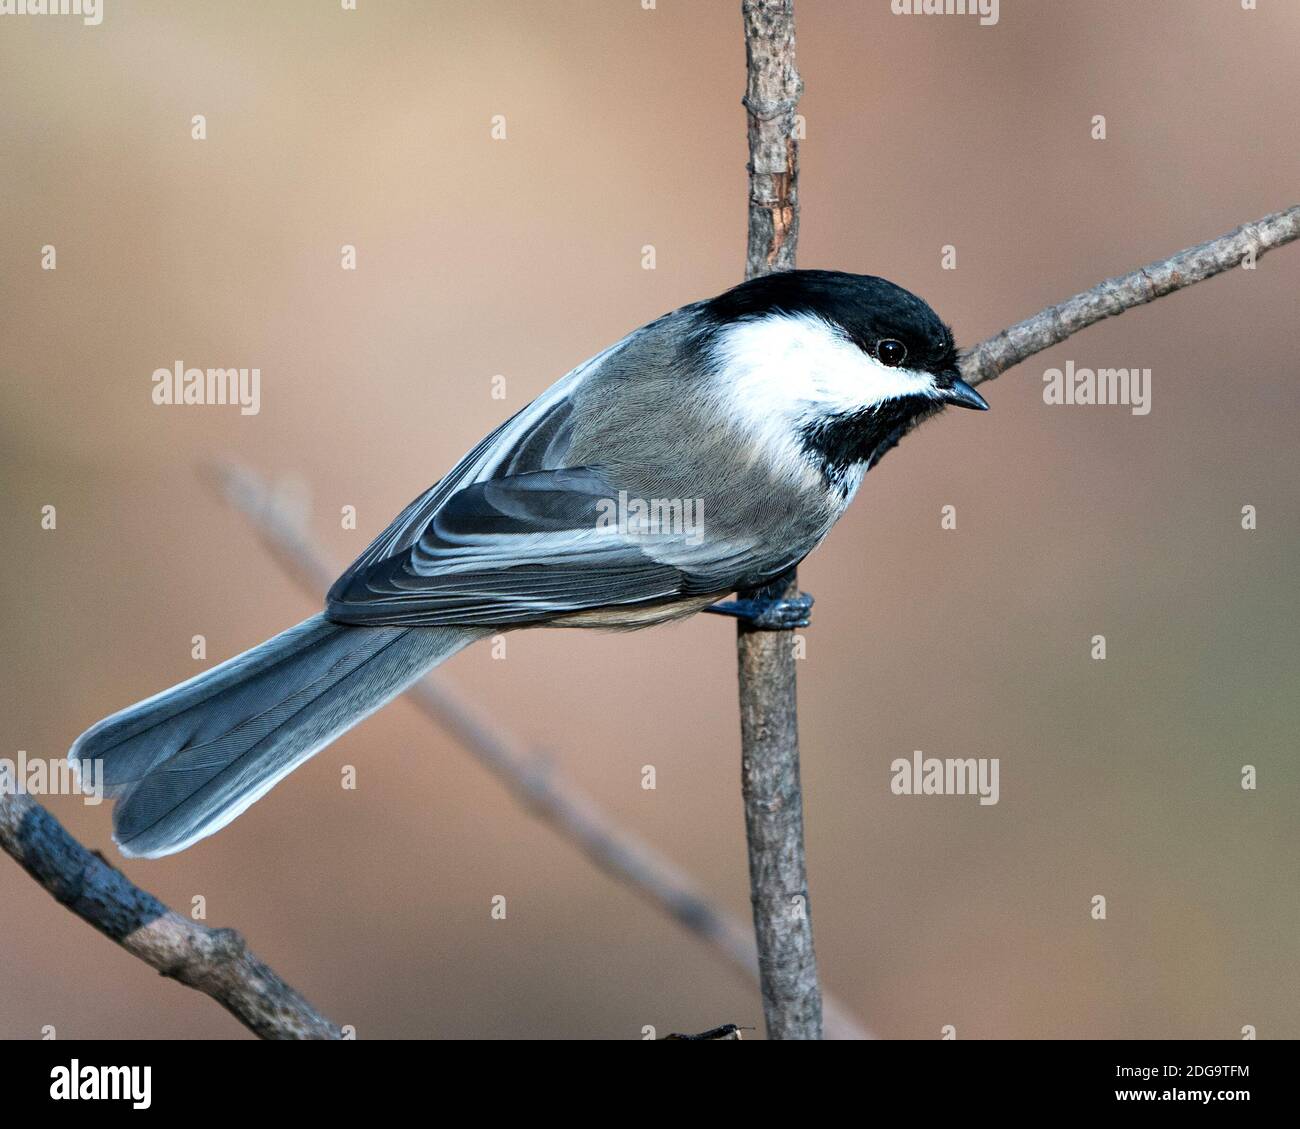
772	91
769	728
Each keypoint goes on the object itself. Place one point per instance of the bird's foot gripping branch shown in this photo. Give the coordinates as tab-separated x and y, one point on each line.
774	607
768	614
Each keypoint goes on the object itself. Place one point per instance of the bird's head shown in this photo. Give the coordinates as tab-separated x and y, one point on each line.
836	365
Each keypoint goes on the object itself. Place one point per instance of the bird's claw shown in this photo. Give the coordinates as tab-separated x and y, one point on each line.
768	615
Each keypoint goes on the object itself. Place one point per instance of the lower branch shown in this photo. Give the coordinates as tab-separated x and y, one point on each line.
214	961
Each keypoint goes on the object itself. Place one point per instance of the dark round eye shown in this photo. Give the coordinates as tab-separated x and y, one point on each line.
890	352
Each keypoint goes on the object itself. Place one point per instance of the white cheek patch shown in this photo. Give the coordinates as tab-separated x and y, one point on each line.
792	368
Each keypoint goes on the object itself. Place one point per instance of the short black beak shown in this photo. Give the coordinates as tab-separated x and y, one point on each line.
963	396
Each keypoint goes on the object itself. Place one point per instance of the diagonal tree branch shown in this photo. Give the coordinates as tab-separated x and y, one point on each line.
214	961
990	358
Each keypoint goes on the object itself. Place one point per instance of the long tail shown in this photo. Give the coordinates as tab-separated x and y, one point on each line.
185	762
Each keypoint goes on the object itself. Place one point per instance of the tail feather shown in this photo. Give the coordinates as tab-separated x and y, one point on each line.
185	762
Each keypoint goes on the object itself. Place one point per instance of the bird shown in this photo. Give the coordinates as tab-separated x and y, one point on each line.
755	414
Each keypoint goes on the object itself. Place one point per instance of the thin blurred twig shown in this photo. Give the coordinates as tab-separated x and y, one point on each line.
214	961
530	778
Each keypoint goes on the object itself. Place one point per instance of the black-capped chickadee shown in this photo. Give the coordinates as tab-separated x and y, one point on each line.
709	451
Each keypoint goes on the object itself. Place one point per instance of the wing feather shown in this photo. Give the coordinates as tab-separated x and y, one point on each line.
515	535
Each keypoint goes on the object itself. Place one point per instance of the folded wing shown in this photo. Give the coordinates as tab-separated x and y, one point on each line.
514	535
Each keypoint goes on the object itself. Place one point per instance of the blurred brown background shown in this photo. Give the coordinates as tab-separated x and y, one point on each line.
522	257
